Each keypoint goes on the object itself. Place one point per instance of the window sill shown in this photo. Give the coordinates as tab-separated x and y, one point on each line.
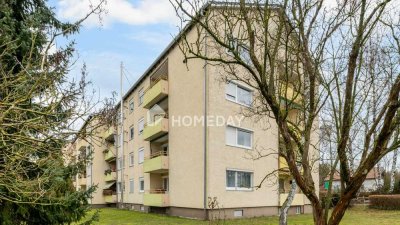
236	102
240	146
240	189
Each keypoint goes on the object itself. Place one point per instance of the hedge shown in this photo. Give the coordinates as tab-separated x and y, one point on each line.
384	201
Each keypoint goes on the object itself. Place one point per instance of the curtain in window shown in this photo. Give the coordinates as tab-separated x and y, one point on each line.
244	96
231	91
230	178
243	180
244	138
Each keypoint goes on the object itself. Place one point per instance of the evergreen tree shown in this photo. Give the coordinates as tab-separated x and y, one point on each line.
37	107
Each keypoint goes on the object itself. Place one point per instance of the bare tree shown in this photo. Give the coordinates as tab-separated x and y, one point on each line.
301	56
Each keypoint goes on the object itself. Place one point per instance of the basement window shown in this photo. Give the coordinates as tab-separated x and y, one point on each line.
238	213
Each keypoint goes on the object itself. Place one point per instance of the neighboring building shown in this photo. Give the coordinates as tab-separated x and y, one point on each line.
169	165
372	181
99	151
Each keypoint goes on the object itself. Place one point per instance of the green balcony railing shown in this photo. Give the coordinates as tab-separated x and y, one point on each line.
155	93
156	198
109	155
156	129
156	163
110	176
110	198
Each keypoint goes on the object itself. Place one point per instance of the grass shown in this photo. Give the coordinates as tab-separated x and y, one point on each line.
355	216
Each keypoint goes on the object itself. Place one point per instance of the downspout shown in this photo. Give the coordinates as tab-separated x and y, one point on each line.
205	131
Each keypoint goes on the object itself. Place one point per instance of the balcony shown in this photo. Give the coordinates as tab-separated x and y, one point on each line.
283	167
108	134
297	200
156	163
110	176
157	198
110	198
155	129
82	181
289	95
155	93
109	155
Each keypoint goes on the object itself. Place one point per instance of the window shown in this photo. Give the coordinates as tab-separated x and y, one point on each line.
118	141
239	180
119	163
131	105
141	94
141	125
239	137
141	184
238	94
119	187
238	213
131	133
131	159
298	209
141	156
131	187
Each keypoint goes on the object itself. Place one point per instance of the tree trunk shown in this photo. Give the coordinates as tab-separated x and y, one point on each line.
288	202
393	172
339	210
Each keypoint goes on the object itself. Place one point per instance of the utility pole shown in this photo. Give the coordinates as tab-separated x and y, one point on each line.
122	137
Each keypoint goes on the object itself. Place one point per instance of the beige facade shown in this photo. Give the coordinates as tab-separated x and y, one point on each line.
169	163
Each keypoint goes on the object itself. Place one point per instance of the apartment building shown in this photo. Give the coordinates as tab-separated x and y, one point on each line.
182	139
98	150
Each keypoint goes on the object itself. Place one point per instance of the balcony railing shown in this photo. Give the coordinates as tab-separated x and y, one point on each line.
156	129
290	95
82	180
108	134
110	198
299	199
156	197
155	93
156	162
109	155
283	167
110	176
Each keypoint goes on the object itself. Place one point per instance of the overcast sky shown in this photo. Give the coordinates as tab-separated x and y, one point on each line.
133	31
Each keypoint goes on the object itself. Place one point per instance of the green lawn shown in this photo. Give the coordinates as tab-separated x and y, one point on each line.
354	216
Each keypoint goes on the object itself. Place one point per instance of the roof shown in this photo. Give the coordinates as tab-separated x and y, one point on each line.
173	43
372	175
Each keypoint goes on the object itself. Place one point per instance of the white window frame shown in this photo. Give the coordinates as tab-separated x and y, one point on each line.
236	94
238	213
131	133
239	188
119	186
237	137
131	186
119	163
141	120
141	159
118	141
131	159
140	181
298	209
131	105
141	95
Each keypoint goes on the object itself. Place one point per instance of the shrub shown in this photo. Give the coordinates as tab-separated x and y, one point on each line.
384	201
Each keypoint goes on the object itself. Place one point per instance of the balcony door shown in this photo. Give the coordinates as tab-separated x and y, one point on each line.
165	183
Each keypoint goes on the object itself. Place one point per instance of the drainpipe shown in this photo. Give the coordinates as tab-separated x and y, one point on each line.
205	131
